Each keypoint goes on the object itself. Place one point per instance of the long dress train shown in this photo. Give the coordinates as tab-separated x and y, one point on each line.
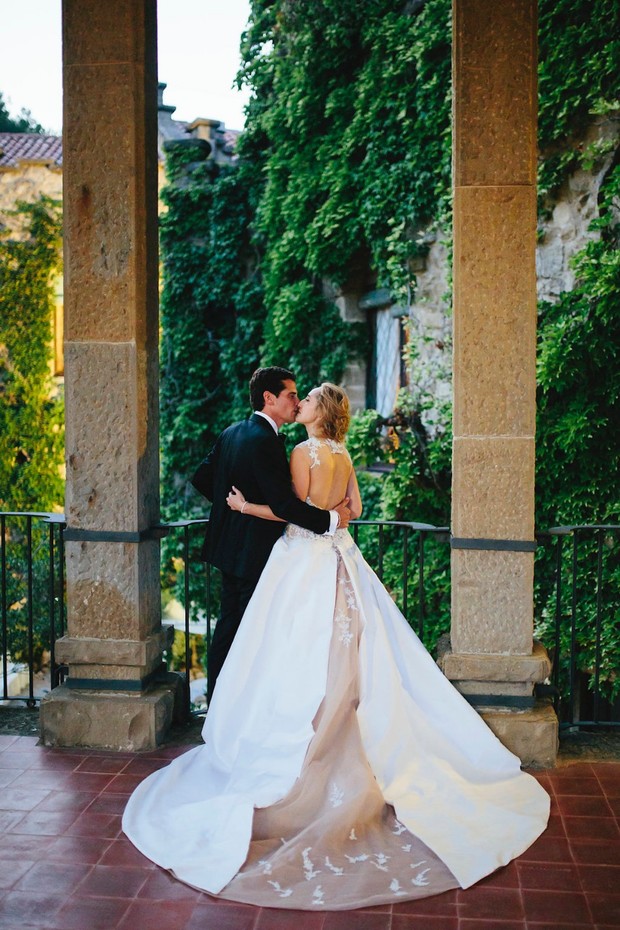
340	768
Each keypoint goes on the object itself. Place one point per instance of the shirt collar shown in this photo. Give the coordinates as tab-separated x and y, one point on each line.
271	422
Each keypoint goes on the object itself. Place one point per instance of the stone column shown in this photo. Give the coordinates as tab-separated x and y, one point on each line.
114	696
493	658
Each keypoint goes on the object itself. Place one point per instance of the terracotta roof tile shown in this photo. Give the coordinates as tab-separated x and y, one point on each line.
16	147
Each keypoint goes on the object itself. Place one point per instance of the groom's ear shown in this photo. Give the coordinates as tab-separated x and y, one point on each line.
268	398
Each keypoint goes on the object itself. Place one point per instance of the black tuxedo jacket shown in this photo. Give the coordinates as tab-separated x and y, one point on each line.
252	457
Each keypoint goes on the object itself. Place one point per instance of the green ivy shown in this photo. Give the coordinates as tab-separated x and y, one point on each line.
31	414
578	438
342	170
31	411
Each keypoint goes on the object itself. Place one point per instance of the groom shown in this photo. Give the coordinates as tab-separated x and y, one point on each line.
251	456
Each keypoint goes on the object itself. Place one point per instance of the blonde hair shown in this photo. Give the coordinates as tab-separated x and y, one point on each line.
334	411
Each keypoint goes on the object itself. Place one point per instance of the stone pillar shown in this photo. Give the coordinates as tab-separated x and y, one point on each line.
493	659
114	696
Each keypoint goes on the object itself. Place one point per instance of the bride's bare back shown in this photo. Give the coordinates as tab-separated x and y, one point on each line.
323	474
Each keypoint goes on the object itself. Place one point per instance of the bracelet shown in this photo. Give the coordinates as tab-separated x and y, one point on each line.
243	506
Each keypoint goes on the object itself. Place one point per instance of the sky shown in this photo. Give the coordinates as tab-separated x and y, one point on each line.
198	52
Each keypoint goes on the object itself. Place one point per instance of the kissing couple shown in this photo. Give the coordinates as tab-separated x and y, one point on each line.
340	768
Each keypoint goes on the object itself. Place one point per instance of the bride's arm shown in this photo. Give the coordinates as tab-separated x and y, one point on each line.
236	501
353	493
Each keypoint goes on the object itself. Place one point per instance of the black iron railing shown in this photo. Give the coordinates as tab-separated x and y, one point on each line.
578	619
577	598
32	602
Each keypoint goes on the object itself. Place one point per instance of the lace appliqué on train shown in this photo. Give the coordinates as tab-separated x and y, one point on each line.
333	842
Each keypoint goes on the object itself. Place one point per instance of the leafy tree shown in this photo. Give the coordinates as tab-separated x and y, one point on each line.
31	415
342	169
31	412
25	122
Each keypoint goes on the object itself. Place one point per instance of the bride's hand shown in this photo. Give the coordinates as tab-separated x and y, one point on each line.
235	499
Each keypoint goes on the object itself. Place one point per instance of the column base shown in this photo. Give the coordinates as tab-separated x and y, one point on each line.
109	720
501	688
532	735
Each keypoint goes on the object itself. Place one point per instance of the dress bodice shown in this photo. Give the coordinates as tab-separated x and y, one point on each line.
313	444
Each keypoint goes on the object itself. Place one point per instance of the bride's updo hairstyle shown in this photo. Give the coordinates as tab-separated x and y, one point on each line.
334	411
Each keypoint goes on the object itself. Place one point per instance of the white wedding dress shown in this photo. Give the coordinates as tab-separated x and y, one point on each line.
340	768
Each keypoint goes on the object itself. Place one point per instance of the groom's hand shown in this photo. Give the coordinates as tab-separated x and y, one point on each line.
344	514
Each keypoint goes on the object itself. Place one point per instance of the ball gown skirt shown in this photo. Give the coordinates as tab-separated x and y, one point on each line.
340	768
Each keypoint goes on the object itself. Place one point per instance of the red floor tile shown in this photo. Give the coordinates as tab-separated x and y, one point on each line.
596	852
121	852
102	765
12	870
112	881
13	760
91	914
466	923
61	763
163	886
406	922
605	908
89	781
614	803
6	740
45	778
108	803
53	877
24	847
438	904
66	800
545	925
46	823
212	914
275	919
548	849
29	907
507	877
162	915
592	828
549	876
21	799
124	784
143	767
87	824
490	903
562	907
600	878
570	784
571	805
356	920
88	849
8	776
61	813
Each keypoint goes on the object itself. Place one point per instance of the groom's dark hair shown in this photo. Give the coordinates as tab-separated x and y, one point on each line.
267	379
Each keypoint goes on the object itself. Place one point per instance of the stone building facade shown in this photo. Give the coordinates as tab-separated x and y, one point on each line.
563	230
31	166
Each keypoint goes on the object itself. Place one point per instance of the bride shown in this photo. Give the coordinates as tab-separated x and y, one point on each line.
340	768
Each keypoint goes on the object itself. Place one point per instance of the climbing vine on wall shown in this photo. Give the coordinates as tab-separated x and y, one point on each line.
343	168
31	411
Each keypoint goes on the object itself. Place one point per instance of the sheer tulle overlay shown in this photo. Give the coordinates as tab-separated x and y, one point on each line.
340	767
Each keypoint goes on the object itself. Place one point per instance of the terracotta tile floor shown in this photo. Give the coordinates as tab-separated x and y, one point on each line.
64	864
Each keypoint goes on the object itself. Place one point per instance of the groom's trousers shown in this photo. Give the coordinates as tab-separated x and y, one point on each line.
236	593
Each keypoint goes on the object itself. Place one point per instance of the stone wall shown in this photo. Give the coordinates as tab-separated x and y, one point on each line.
563	231
28	182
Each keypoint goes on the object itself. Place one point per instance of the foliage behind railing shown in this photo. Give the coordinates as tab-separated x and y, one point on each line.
577	597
